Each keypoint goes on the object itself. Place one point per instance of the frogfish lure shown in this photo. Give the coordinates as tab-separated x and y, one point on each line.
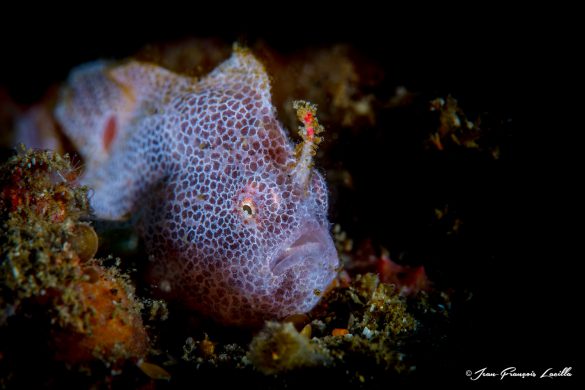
234	217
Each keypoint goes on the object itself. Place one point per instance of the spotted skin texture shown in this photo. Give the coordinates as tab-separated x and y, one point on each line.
207	167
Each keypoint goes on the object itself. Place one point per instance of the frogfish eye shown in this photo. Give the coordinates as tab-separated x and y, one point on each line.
248	208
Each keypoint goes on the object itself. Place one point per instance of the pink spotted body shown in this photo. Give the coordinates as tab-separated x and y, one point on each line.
235	226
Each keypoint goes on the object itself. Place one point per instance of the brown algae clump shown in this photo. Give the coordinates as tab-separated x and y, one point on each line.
280	347
49	280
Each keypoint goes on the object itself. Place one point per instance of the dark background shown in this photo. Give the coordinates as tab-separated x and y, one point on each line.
523	313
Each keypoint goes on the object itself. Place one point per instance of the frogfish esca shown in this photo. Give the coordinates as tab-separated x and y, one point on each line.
234	228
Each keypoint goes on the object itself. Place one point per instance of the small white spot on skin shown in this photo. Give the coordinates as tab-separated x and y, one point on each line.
165	286
275	197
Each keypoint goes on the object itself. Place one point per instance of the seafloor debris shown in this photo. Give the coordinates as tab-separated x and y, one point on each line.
49	280
369	320
454	126
363	328
280	347
456	130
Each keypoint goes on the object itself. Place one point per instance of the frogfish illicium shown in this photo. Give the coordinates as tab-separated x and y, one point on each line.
233	216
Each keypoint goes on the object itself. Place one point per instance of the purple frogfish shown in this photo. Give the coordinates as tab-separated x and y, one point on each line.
234	217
